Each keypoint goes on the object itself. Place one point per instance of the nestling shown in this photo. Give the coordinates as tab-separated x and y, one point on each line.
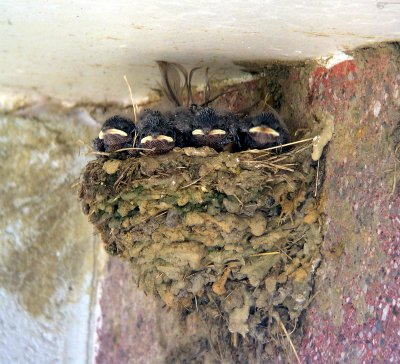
262	131
155	132
116	133
212	129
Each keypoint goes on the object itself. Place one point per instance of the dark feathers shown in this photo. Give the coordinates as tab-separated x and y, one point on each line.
155	132
213	129
182	121
171	84
116	133
262	131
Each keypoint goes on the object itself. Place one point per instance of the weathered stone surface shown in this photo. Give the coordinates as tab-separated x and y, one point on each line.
47	247
355	314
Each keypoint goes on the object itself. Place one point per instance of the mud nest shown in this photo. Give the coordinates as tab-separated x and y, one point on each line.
232	238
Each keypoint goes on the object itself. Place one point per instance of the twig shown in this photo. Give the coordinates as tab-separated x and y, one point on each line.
134	138
134	106
220	313
273	166
76	184
238	199
229	294
151	217
282	326
121	150
279	146
284	253
219	95
100	153
235	339
121	177
294	328
192	183
161	214
282	167
265	253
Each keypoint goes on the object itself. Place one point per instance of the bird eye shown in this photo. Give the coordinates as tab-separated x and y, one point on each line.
197	132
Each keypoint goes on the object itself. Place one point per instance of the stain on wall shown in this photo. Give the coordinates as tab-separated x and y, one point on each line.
48	252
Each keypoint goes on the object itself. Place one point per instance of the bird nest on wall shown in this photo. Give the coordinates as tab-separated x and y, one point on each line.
232	237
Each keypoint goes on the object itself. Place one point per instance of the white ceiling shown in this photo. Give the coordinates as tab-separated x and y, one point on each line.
75	50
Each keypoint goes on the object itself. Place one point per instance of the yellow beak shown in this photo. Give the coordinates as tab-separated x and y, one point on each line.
158	137
264	130
112	132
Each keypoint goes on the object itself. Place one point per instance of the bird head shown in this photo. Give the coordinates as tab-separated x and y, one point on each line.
155	132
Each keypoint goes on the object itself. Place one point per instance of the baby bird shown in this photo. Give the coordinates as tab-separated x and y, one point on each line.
182	120
262	131
212	129
116	133
155	132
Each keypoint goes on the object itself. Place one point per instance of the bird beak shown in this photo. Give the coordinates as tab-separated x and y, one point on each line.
211	132
144	140
197	132
112	132
165	137
217	132
264	130
150	138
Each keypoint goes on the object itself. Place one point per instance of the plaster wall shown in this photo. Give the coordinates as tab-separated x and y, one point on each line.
75	50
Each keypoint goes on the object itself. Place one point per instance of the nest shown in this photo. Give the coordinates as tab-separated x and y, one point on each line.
231	237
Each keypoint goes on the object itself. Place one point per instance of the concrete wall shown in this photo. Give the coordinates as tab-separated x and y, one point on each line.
76	50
